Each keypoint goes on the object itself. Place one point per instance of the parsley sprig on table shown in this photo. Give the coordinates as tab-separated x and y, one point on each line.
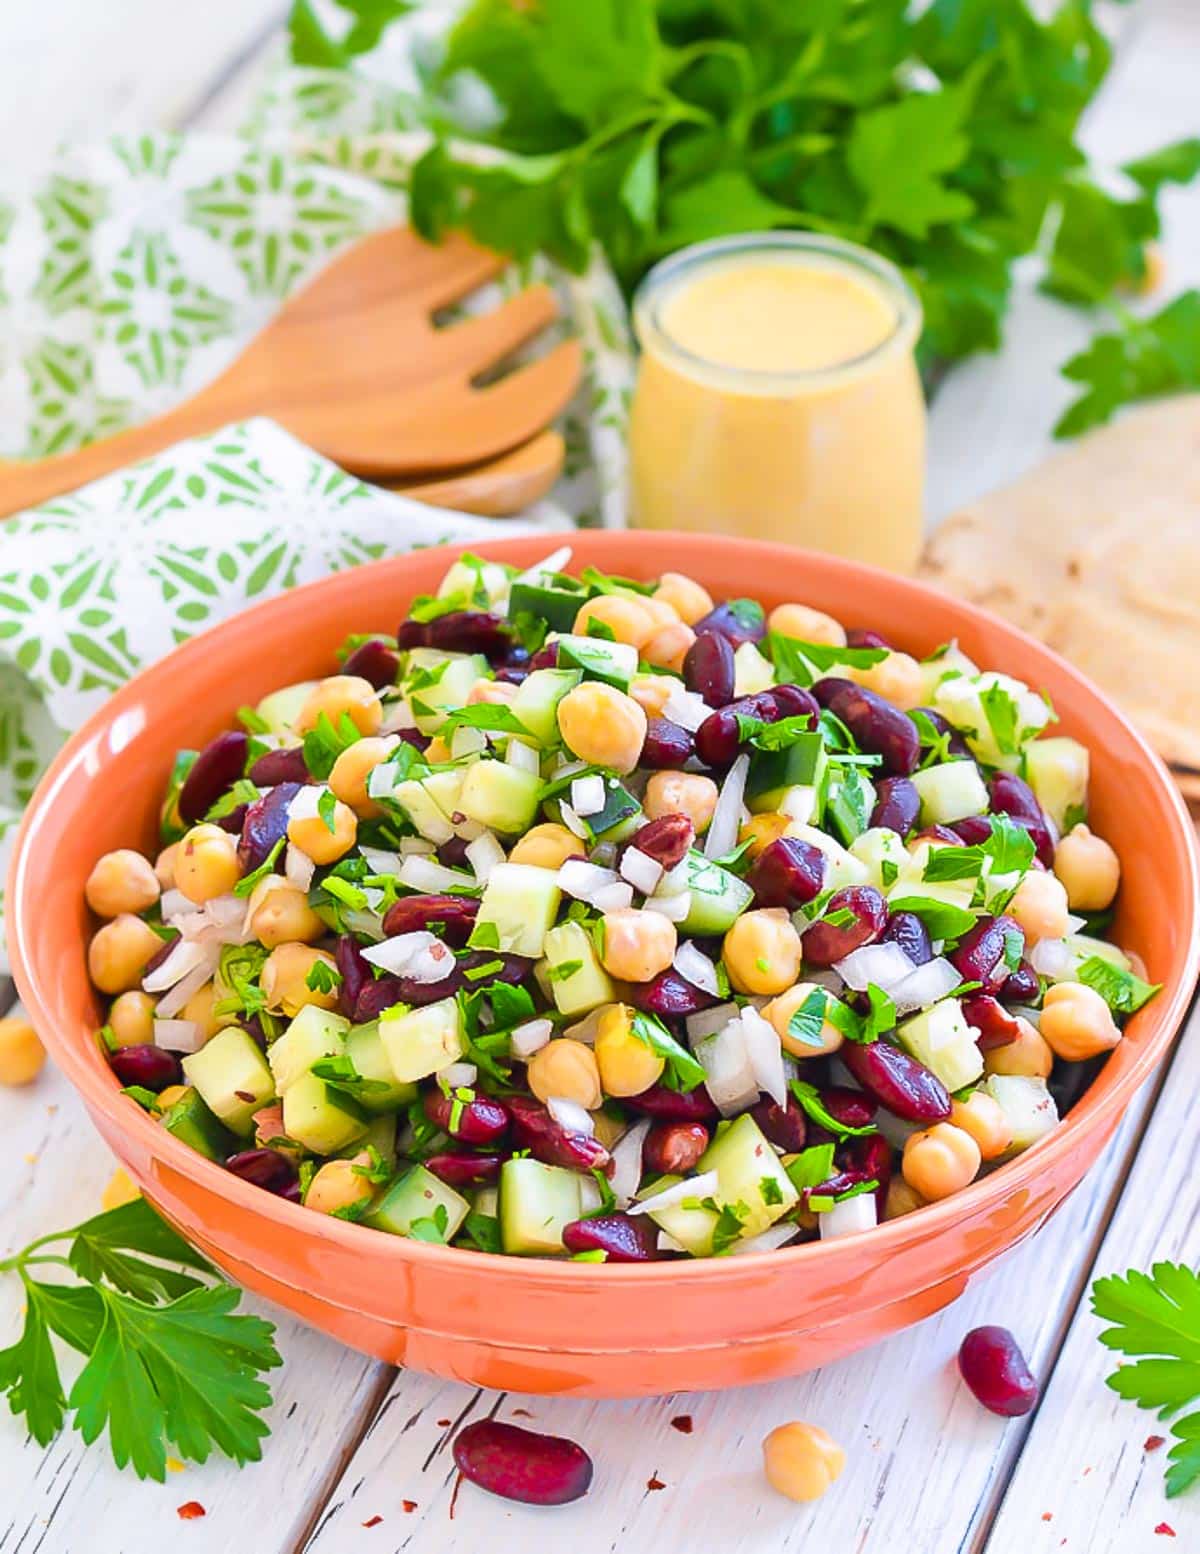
1157	1318
167	1360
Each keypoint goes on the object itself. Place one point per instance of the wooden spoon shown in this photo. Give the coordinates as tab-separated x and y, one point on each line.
356	366
502	486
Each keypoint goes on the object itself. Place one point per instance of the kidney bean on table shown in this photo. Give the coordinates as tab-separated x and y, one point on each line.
465	1169
793	701
151	1067
898	1082
785	1125
669	996
789	872
278	766
982	954
454	914
709	669
266	1168
674	1105
825	942
992	1365
626	1238
522	1465
996	1027
214	772
908	931
265	824
738	620
674	1147
897	805
481	1121
667	746
375	661
535	1129
878	727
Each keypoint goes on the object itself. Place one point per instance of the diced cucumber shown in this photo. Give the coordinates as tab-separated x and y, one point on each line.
468	577
950	792
517	909
617	820
419	1198
380	1136
912	878
692	1227
438	682
941	1039
281	708
752	672
420	1041
536	1202
558	607
486	1200
232	1077
615	663
750	1175
194	1125
314	1033
841	867
718	898
1083	947
850	800
1057	770
883	853
773	772
430	820
321	1118
445	789
537	699
995	714
364	1048
588	985
1028	1105
504	798
952	661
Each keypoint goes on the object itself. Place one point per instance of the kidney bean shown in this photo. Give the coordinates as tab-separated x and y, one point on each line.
413	737
833	1186
674	1105
955	744
939	833
292	1192
898	1082
234	820
897	805
974	829
709	669
971	830
151	1067
265	824
980	954
738	620
214	771
453	854
626	1238
522	1465
278	766
535	1129
455	916
877	726
718	738
464	1169
789	872
383	992
412	634
481	1121
265	1168
253	1028
784	1125
852	1108
375	661
991	1019
666	747
1022	987
793	701
674	1147
872	1155
1012	795
545	658
908	931
669	996
864	637
992	1365
512	674
825	943
471	631
512	969
356	974
667	840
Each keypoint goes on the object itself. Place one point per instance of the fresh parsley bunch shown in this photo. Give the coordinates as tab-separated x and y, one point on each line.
166	1359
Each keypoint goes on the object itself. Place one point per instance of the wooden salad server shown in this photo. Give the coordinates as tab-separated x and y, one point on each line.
356	366
502	486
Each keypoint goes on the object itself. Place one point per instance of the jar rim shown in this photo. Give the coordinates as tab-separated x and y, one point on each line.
668	275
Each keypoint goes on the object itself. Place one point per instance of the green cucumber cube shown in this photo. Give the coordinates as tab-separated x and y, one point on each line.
1057	770
537	699
773	772
952	661
941	1039
1028	1105
536	1202
618	819
883	853
950	792
313	1034
751	671
504	798
232	1077
558	607
380	1135
693	1227
432	698
517	910
849	803
615	663
468	577
195	1125
420	1041
750	1175
430	819
321	1118
587	985
420	1200
718	897
364	1048
281	708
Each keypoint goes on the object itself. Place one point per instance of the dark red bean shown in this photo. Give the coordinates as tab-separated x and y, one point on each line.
626	1238
981	954
785	1125
278	766
940	833
877	726
955	744
535	1129
471	631
292	1192
375	661
789	872
825	943
412	634
450	917
709	669
674	1105
718	738
1012	795
481	1121
265	824
898	1082
521	1465
908	931
793	701
151	1067
234	820
1022	987
253	1027
897	805
852	1108
871	1155
265	1168
666	840
413	737
512	674
356	974
864	637
545	657
971	830
666	746
465	1170
737	620
833	1186
453	854
674	1147
384	992
214	772
993	1367
512	969
669	996
996	1027
974	829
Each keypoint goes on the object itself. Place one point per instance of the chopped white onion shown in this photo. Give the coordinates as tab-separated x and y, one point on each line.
1051	958
582	879
673	908
483	854
419	955
304	803
409	847
696	967
730	1078
572	821
706	1021
769	1240
604	853
298	867
173	904
397	715
925	985
884	964
642	872
587	794
585	1030
723	829
702	1186
667	1242
685	707
627	1162
458	1075
424	874
766	1054
590	1196
556	561
178	1035
1076	924
185	955
527	1039
173	1001
570	1115
849	1217
565	768
381	780
613	898
523	757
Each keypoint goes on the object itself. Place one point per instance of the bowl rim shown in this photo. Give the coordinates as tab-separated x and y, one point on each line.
69	1051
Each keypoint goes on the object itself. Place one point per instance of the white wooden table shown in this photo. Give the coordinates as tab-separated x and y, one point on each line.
359	1454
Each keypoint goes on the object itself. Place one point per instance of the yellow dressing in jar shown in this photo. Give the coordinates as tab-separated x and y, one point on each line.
778	398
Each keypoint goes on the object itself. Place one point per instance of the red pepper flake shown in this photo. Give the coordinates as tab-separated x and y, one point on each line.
522	1413
1165	1530
190	1510
374	1521
655	1483
444	1423
1153	1442
409	1506
454	1497
682	1423
245	1095
1047	1516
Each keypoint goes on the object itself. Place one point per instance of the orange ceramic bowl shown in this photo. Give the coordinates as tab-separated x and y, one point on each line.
564	1327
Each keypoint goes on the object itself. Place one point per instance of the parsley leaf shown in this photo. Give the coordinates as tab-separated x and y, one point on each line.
1123	991
682	1071
809	1097
1144	358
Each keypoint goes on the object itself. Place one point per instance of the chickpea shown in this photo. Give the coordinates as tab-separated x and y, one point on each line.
901	1199
687	598
602	725
164	866
337	1185
279	913
348	779
801	1461
761	830
940	1161
651	691
1089	869
627	1064
897	678
668	647
437	751
1076	1022
681	793
806	625
780	1011
285	976
206	864
567	1070
131	1019
490	693
168	1097
637	945
313	836
1039	905
342	693
119	951
986	1121
628	619
1028	1056
200	1009
547	846
762	952
21	1053
120	1190
121	881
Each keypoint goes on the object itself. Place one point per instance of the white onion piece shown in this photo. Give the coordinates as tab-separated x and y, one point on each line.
303	805
730	1078
178	1035
572	821
925	986
185	956
458	1074
1051	958
676	879
848	1218
674	908
173	1001
564	767
424	874
585	1030
884	964
483	854
695	967
604	853
723	830
570	1115
685	707
590	1196
667	1242
298	867
766	1054
397	716
381	780
613	898
769	1240
640	870
556	561
410	847
523	757
627	1162
582	879
173	904
587	795
525	1040
707	1021
702	1186
1076	924
419	955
